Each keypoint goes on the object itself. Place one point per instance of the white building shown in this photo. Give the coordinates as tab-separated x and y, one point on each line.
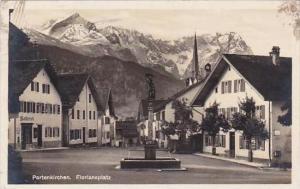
80	105
107	119
35	116
267	79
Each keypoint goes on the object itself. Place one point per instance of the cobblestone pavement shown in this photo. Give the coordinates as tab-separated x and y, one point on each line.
98	166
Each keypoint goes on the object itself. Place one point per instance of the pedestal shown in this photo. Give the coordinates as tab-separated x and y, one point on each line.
150	150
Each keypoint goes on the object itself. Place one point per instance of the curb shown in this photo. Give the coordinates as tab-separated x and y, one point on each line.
240	163
44	149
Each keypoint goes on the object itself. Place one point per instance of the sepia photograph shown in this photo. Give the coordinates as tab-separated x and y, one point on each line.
183	92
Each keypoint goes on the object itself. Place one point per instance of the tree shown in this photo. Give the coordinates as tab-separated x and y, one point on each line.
183	122
247	122
213	123
286	119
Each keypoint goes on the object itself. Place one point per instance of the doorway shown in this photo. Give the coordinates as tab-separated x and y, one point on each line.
26	134
83	135
40	136
232	144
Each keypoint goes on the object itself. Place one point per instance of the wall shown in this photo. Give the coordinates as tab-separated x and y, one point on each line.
281	136
46	120
232	100
83	104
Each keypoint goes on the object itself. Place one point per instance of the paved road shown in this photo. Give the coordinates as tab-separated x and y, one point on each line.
102	163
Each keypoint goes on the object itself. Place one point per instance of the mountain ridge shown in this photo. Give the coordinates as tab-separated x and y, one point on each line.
173	56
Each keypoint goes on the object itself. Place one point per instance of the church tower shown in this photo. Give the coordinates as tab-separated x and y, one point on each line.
195	76
195	60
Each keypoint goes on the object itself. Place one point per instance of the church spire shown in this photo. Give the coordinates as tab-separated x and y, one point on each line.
195	58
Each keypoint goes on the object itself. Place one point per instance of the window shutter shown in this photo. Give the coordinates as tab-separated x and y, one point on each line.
229	86
235	86
222	89
242	85
228	113
32	86
241	142
263	112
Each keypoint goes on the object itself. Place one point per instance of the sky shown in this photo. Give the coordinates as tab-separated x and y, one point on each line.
260	28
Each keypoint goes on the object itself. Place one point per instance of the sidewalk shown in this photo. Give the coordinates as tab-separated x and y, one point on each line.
43	149
242	162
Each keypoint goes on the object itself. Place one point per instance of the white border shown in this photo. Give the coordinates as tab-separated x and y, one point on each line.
216	5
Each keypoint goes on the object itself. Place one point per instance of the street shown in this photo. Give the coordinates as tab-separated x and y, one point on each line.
101	164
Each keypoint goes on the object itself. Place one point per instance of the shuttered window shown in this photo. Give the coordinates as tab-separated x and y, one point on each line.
235	86
243	85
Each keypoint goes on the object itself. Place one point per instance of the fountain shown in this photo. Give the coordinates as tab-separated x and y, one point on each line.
150	160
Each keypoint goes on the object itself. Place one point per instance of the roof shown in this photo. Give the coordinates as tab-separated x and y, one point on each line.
70	86
157	104
105	99
272	82
21	73
128	128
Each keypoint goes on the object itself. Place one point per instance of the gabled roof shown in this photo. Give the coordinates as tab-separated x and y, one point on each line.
157	104
21	73
105	99
272	82
70	86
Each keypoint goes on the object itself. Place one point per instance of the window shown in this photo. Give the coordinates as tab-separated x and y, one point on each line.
33	107
56	132
28	107
256	143
94	115
43	88
207	139
72	115
228	112
90	115
46	88
226	87
239	85
158	116
83	114
35	132
163	115
48	132
75	134
107	120
42	108
216	90
107	135
78	99
32	86
260	112
221	141
38	108
58	109
92	133
72	135
37	87
78	114
90	98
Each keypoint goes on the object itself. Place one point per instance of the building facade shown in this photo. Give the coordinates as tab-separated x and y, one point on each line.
80	105
107	119
266	79
35	114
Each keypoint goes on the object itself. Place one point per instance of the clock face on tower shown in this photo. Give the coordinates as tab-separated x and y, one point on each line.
207	67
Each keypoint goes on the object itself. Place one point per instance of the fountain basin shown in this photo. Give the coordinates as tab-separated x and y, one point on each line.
134	163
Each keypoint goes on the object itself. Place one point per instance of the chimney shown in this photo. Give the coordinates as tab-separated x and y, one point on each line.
275	55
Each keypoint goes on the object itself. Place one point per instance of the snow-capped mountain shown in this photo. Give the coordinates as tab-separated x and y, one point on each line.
174	56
